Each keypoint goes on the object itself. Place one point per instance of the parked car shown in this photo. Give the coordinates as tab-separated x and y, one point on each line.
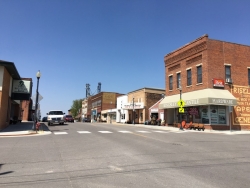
45	119
69	118
86	120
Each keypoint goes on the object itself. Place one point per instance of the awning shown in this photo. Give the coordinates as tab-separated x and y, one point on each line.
200	97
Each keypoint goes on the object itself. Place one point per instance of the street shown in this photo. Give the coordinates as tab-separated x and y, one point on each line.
117	155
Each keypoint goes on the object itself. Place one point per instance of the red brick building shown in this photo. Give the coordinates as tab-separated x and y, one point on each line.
100	102
13	92
213	79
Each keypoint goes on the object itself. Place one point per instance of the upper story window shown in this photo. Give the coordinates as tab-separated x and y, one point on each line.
189	77
227	71
171	82
249	76
199	74
178	79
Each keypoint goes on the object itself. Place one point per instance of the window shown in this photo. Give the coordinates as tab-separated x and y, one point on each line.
249	76
217	114
199	74
189	77
228	71
55	113
170	82
178	79
122	116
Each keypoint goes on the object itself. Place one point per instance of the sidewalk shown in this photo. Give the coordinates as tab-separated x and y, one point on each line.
24	128
176	129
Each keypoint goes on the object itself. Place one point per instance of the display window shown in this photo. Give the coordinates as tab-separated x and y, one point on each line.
217	114
214	114
204	114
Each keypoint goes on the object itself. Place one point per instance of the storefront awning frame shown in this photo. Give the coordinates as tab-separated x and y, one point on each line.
200	97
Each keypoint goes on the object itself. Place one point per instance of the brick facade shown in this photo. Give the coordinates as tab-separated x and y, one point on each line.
5	100
147	96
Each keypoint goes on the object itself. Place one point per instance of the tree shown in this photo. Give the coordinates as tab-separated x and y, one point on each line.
76	107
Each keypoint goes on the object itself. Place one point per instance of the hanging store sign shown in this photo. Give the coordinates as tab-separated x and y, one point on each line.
21	86
21	90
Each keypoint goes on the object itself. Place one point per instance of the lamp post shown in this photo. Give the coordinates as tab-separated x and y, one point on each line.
110	112
180	88
38	75
133	116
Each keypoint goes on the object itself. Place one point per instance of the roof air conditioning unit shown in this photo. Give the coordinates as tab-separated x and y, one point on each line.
229	80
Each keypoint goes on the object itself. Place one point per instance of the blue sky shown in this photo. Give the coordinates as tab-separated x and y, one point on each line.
120	43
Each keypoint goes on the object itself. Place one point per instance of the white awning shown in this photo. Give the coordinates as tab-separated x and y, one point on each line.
200	97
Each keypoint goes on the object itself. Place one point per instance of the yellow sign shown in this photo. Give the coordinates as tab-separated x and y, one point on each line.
181	110
181	103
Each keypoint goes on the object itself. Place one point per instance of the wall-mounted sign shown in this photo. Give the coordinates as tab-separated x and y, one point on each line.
154	110
241	112
136	106
218	82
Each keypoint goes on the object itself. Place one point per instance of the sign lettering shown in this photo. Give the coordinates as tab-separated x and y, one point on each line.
241	112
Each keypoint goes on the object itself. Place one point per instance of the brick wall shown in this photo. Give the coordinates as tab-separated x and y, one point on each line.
5	100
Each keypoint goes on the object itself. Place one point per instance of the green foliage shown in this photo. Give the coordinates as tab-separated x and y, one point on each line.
76	106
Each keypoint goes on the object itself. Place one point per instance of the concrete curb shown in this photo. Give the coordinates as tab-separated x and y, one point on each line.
24	133
175	129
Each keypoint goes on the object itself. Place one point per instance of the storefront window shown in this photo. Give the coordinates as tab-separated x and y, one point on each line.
218	114
204	114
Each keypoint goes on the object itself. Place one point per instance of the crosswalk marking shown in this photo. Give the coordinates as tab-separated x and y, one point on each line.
104	131
57	133
83	132
161	132
143	131
125	131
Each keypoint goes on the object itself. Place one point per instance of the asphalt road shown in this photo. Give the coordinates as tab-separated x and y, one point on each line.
110	155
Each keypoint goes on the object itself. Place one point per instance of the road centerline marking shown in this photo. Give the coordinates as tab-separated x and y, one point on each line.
104	131
83	132
58	133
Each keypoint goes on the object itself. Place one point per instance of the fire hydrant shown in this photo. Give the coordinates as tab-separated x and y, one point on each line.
37	125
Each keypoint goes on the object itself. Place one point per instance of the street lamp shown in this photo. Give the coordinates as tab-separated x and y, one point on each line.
110	112
133	111
38	75
180	88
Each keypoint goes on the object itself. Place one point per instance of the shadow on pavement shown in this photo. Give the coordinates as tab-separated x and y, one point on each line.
23	126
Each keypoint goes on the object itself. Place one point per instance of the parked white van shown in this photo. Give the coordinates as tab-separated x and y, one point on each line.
55	116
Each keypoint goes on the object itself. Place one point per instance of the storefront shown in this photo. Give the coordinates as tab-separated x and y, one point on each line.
211	107
155	113
135	112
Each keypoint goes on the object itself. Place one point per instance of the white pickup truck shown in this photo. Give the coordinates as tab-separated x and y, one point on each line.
55	116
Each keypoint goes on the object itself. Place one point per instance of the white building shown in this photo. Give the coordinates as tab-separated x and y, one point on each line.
121	113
